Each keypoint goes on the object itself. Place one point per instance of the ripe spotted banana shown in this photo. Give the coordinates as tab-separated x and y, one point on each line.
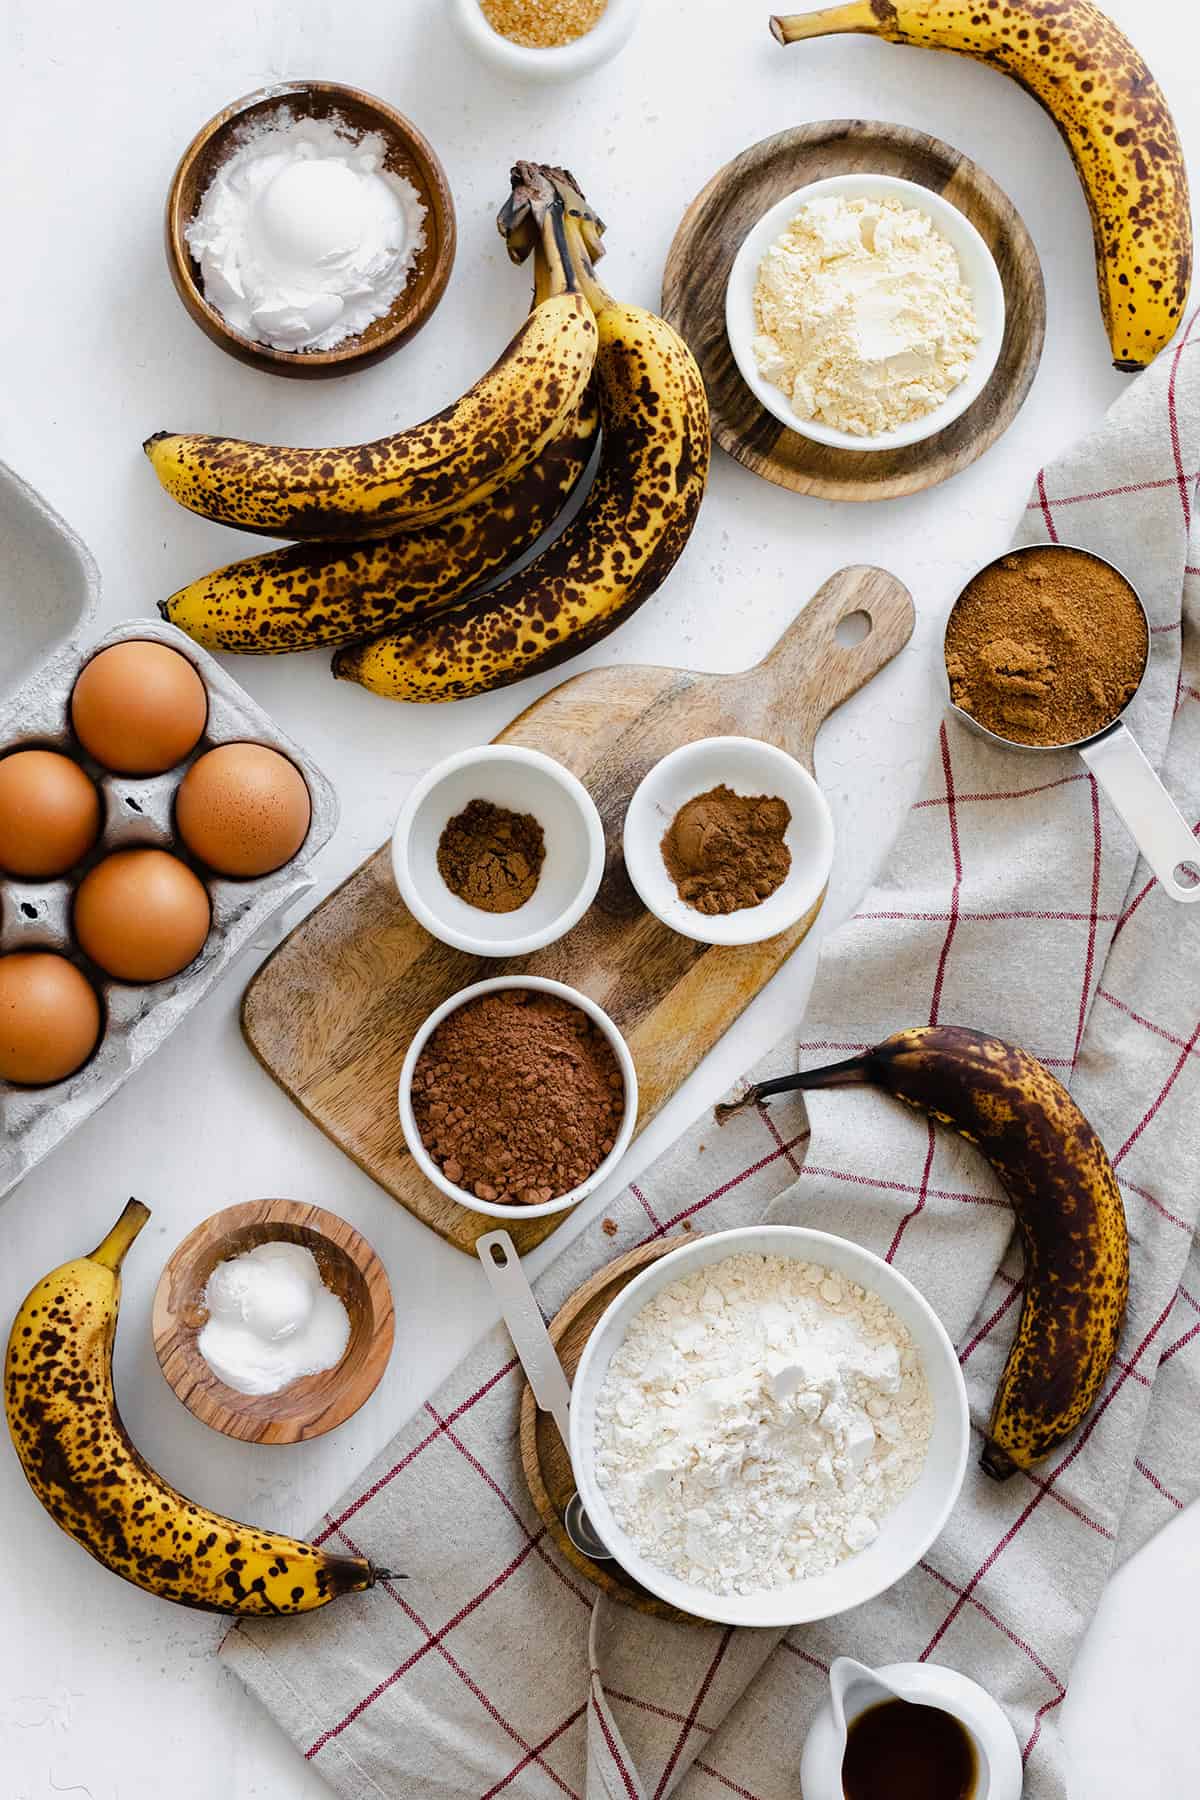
415	477
1055	1171
611	557
83	1468
1111	113
311	594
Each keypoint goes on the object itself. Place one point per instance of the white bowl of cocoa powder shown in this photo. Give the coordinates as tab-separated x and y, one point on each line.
729	840
518	1097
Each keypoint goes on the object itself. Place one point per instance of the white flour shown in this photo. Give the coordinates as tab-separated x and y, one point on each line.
864	319
759	1421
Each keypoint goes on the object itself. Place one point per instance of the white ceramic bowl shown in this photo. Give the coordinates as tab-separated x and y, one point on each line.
748	766
596	47
979	272
524	781
561	1202
904	1536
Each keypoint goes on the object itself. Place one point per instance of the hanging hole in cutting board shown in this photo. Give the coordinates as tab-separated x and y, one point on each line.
498	1255
1187	874
852	629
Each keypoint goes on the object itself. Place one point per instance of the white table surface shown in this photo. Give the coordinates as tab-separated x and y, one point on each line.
104	1691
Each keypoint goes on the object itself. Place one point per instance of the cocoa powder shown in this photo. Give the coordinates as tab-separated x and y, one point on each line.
1046	646
725	851
518	1096
490	857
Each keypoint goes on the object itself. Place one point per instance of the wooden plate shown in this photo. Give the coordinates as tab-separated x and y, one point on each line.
708	239
307	1408
543	1453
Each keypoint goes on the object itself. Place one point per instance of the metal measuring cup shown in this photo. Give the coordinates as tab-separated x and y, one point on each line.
1117	761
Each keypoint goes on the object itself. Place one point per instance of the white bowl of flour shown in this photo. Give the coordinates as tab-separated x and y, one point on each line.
769	1426
865	312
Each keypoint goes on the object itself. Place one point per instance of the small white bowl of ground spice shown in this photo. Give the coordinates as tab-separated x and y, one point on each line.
729	841
518	1097
498	850
546	40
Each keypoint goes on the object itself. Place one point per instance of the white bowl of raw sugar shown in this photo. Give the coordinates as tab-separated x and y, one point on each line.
747	766
520	781
595	30
883	313
826	1311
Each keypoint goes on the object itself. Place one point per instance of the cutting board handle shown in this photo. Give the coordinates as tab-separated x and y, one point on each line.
810	672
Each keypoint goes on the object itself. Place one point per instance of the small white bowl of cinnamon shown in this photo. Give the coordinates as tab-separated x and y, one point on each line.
729	841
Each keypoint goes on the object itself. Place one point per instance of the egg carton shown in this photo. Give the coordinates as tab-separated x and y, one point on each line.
49	588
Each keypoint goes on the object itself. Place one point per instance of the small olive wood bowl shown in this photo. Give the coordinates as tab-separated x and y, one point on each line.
315	1404
409	154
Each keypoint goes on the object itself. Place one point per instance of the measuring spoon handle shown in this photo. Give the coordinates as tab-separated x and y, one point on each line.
1161	832
526	1327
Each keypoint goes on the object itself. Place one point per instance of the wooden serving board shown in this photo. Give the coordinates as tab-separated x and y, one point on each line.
330	1014
544	1456
710	235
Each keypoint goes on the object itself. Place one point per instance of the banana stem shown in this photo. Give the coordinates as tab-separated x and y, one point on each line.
857	15
853	1072
110	1252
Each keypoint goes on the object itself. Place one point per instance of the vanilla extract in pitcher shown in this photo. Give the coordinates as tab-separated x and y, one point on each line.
899	1751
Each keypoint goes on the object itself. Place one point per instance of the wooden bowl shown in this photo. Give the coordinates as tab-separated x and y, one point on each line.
409	154
315	1404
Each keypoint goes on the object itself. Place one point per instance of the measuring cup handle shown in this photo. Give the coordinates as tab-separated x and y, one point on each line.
526	1327
1161	832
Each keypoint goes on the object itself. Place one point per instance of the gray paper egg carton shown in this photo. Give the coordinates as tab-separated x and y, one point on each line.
49	587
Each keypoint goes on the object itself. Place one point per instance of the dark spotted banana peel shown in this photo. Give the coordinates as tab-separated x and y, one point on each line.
1112	116
307	595
1065	1196
415	477
615	553
79	1461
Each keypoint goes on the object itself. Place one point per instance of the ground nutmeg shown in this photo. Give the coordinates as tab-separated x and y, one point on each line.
725	851
490	857
518	1096
1046	646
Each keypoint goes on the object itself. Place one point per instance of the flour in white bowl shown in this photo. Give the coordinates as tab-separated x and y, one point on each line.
758	1423
864	319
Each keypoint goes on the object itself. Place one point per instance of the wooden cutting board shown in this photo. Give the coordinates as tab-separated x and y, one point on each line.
330	1014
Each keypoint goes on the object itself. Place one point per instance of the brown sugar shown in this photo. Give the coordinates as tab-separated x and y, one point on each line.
518	1096
725	851
543	24
490	857
1046	646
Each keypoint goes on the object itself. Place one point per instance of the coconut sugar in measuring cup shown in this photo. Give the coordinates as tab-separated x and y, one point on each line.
1045	649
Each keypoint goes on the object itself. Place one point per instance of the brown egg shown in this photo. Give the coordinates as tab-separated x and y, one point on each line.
243	809
49	1018
49	813
139	707
142	915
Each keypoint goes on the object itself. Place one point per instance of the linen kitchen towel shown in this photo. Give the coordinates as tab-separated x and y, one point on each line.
1013	901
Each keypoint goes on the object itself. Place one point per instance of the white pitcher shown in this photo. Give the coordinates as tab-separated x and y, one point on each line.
853	1688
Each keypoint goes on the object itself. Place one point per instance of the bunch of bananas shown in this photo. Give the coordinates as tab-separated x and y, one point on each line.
1067	1203
79	1461
1110	110
434	514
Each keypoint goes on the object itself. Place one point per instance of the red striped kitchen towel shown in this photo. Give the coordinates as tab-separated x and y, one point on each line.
1013	901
